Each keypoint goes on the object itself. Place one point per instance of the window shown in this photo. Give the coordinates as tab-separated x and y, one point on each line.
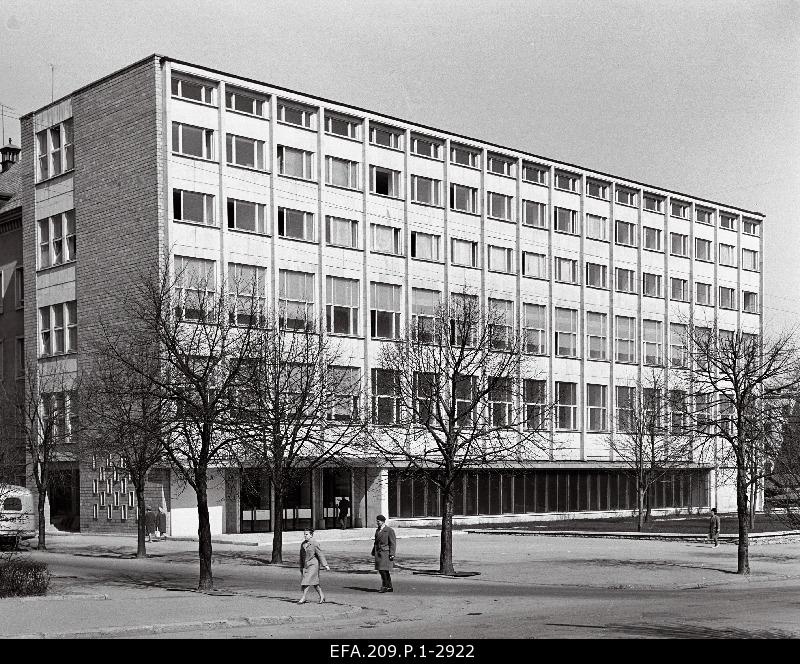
385	310
627	197
597	189
501	259
703	294
296	300
534	214
425	246
463	199
678	414
750	302
625	280
247	216
465	388
58	325
500	165
596	275
302	116
727	255
653	205
464	156
342	125
295	224
341	309
193	89
385	396
464	253
534	265
19	287
193	206
534	395
341	232
565	221
535	173
596	227
57	239
566	332
425	147
652	342
625	233
596	399
751	227
244	102
55	150
295	163
535	329
651	238
464	313
727	221
501	321
566	406
196	280
680	210
424	307
727	298
386	240
499	398
426	190
596	335
247	293
749	259
704	216
345	383
499	206
625	405
247	152
192	141
702	249
566	270
678	289
384	181
387	137
341	173
651	284
678	355
624	339
568	182
678	244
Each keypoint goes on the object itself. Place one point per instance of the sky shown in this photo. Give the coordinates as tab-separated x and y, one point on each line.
701	97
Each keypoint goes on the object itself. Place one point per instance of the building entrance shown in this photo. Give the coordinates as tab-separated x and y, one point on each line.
254	501
337	486
64	495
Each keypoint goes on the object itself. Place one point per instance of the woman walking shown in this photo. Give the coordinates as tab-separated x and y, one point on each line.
311	557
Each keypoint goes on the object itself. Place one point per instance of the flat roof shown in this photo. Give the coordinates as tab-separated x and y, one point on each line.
532	155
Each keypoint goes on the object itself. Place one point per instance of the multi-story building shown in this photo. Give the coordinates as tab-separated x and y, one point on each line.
601	272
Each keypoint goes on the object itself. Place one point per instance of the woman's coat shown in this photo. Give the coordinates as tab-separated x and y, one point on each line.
311	557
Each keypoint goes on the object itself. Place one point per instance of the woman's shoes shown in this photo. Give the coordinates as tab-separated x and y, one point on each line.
321	600
301	601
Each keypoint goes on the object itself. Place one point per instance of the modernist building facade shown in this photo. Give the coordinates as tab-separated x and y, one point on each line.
332	206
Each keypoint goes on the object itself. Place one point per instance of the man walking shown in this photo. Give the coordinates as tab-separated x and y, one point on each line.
713	527
344	510
383	550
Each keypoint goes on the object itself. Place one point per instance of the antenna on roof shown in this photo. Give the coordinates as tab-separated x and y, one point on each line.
52	67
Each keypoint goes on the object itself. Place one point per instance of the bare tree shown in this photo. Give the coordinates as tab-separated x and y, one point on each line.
298	407
456	394
652	435
734	379
42	414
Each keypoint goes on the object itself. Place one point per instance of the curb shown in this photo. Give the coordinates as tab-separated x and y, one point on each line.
673	537
225	623
59	598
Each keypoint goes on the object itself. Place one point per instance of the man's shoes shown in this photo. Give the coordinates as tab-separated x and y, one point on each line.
382	590
390	590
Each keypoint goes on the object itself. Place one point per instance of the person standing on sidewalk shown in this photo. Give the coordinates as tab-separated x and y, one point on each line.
150	523
383	550
311	557
344	510
713	527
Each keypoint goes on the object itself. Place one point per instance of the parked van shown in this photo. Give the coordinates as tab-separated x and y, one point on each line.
17	514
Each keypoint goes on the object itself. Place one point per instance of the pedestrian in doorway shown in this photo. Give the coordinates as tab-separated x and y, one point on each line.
150	523
383	550
311	557
344	510
161	522
713	527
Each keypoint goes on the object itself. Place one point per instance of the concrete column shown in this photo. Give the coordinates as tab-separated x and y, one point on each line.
233	494
359	498
377	495
317	511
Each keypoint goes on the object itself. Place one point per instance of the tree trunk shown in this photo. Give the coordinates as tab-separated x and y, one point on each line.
743	566
647	502
204	534
40	506
446	548
277	533
752	510
640	495
141	526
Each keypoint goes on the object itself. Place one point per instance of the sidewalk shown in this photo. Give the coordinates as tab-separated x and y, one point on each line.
729	538
296	536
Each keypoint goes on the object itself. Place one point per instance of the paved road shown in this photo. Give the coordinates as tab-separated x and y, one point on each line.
528	587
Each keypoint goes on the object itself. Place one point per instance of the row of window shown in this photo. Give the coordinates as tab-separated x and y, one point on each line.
58	328
55	150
